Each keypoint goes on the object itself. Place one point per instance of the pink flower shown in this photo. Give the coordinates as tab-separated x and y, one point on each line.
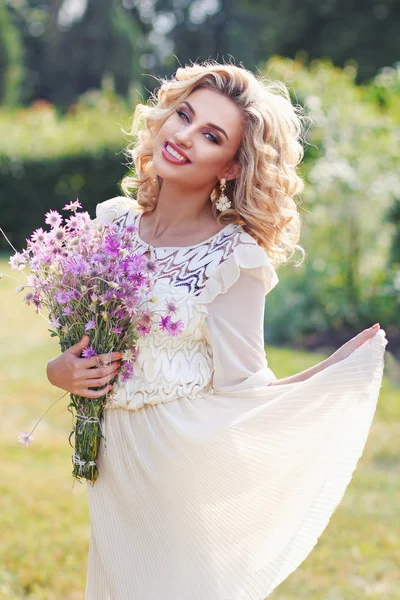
143	329
73	206
146	317
72	223
38	235
53	218
25	438
175	327
164	323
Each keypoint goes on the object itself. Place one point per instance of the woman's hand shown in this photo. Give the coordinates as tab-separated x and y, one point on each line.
76	375
340	354
349	347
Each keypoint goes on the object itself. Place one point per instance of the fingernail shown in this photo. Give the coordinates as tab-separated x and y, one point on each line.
119	355
375	326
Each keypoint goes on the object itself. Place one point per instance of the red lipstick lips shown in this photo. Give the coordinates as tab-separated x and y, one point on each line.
173	158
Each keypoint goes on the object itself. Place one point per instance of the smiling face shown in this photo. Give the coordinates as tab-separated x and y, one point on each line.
197	143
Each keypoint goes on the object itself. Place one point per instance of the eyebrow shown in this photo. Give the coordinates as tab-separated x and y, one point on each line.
190	107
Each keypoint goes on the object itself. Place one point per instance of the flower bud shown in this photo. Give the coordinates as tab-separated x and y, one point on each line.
20	288
153	299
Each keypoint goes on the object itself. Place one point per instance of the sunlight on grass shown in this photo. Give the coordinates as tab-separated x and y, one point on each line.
44	520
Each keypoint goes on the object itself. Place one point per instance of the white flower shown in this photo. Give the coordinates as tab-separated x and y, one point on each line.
17	261
55	322
127	355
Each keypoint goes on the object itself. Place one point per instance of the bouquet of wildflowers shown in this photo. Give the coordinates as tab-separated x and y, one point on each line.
89	281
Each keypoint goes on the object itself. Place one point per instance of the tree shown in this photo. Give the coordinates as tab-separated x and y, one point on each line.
11	52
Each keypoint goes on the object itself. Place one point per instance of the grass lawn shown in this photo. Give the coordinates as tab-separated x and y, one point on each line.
44	519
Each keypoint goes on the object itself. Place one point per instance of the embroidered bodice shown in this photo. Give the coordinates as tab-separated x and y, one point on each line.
192	277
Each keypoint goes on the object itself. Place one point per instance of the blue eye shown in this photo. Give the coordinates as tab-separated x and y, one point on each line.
180	112
214	139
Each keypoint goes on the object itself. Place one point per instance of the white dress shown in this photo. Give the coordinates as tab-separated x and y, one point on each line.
215	485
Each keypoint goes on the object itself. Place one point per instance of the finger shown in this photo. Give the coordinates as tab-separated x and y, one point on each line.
102	381
368	333
88	393
101	372
77	348
110	356
94	360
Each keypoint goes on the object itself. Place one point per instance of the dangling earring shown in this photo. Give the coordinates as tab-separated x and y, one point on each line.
223	202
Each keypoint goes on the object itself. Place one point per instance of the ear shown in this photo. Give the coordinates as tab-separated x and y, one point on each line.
232	171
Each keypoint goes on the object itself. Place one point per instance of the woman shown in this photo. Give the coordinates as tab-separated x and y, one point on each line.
217	479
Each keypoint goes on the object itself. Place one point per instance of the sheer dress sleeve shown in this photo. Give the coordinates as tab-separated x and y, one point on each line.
235	331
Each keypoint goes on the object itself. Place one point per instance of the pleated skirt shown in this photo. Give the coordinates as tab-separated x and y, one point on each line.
222	497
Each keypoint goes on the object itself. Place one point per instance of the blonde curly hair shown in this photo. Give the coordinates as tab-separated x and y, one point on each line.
263	193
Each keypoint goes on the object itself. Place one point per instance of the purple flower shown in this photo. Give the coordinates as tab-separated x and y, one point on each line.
151	267
88	352
28	298
171	307
25	438
111	245
67	311
73	205
53	218
175	327
126	371
37	302
133	264
98	257
164	323
108	296
117	330
137	278
90	325
63	297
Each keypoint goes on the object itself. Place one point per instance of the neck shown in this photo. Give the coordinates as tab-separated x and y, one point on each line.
180	209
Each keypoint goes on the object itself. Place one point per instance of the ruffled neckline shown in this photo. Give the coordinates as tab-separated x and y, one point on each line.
227	229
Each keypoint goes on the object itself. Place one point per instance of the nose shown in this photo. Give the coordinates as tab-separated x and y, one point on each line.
183	138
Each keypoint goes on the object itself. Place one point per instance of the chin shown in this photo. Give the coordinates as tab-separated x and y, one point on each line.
167	171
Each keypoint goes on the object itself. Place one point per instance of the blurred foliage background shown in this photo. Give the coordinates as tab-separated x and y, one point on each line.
71	72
